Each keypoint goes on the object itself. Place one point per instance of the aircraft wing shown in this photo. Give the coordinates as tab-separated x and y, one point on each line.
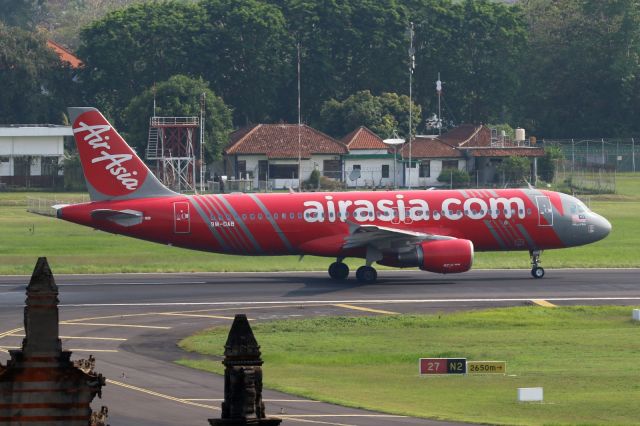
383	237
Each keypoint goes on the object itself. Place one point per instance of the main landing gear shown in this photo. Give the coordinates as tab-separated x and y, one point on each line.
536	271
338	270
364	274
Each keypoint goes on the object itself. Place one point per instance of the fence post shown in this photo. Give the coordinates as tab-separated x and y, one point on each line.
633	154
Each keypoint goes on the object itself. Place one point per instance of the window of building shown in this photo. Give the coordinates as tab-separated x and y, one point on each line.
449	164
332	169
283	171
425	169
356	167
385	170
242	169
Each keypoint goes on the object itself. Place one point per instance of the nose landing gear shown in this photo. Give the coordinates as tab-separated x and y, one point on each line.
536	271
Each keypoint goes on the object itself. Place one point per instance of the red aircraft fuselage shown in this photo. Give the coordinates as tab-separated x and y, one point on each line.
436	230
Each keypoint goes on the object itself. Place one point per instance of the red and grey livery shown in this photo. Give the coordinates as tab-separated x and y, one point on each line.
434	230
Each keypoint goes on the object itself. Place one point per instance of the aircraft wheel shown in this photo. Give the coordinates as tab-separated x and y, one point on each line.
366	274
338	271
537	272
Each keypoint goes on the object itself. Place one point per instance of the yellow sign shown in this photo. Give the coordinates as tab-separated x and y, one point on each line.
486	367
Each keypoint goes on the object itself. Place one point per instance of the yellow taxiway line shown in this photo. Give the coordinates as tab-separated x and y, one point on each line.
544	303
360	308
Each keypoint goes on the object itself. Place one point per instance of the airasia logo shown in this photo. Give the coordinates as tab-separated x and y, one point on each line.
105	156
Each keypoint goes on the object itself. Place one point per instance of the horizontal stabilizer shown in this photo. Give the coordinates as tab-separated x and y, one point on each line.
121	217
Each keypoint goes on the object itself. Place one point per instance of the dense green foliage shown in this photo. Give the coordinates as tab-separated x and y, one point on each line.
384	114
455	178
515	169
35	87
558	68
179	97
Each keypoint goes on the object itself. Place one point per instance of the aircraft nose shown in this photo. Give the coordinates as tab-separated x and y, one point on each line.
602	227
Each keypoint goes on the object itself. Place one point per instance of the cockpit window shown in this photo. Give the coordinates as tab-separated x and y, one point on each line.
578	207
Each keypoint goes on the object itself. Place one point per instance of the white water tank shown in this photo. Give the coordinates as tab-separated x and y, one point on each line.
519	134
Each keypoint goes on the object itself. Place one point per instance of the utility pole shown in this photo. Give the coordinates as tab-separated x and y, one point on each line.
299	125
412	65
202	165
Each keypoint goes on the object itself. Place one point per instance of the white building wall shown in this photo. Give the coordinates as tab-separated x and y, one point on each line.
432	180
370	172
307	166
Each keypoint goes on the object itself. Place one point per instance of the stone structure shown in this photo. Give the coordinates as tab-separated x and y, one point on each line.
243	379
40	385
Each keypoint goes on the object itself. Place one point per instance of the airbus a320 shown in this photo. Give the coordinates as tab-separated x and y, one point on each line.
434	230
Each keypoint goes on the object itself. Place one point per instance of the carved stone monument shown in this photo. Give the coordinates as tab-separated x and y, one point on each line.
40	385
242	379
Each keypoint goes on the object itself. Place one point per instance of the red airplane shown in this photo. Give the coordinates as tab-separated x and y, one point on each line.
434	230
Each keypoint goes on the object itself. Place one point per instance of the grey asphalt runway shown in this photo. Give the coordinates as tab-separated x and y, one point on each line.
131	323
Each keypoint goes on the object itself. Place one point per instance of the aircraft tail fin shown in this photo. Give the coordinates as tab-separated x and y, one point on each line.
111	167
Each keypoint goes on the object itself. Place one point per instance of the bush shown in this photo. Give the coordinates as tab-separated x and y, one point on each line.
455	177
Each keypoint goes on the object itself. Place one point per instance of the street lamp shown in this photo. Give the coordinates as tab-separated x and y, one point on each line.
394	142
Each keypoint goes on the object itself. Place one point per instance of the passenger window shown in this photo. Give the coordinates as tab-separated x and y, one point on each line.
292	216
259	216
244	216
275	215
252	216
299	215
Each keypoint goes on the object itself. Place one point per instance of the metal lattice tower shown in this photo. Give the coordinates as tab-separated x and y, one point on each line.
170	145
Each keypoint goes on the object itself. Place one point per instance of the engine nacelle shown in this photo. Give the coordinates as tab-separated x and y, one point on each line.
441	256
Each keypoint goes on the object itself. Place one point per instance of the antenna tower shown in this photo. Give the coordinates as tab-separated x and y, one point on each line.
170	145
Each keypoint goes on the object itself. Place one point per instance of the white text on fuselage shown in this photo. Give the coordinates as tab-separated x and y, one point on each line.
414	209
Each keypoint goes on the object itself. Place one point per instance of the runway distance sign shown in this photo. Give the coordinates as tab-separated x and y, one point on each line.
443	366
486	367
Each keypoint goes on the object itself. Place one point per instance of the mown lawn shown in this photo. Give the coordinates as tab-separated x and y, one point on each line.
585	358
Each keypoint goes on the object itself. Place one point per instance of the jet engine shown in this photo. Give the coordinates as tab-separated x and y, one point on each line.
441	256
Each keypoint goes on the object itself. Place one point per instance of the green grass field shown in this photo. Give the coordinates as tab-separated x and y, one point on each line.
76	249
585	358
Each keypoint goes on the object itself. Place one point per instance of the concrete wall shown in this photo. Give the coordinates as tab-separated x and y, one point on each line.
432	180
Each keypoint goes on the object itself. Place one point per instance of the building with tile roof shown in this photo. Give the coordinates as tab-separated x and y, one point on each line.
369	162
476	149
270	152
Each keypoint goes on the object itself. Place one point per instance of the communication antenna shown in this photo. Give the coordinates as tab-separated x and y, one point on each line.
299	126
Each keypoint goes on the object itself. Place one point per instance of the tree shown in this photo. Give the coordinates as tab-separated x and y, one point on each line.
547	165
347	46
476	45
246	53
36	86
22	13
515	169
583	67
455	178
179	96
382	114
129	49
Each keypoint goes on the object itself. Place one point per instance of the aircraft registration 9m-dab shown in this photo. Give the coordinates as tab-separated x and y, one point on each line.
436	231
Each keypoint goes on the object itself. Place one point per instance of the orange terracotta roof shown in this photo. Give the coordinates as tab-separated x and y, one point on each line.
281	141
422	147
467	134
363	138
64	54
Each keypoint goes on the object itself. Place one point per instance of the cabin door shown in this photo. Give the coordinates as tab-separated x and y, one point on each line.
181	218
545	211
